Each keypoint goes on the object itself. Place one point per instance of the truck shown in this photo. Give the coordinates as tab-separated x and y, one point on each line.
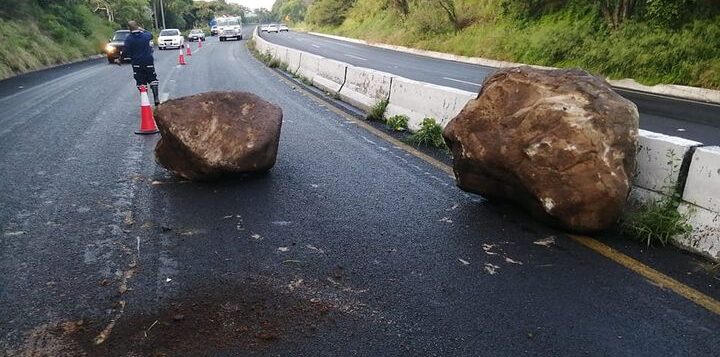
229	27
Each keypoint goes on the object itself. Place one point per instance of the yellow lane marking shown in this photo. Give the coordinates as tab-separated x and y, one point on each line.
649	273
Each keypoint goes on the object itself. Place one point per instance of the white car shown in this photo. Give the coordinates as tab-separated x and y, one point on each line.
170	38
273	28
263	28
283	27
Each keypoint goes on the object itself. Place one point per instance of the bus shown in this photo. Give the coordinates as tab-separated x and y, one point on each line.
229	23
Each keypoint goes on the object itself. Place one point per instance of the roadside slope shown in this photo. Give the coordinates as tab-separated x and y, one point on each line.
46	37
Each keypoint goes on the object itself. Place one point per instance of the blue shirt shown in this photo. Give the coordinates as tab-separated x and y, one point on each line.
137	47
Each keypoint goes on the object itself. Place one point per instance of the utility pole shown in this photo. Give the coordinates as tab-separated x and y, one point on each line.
155	14
162	12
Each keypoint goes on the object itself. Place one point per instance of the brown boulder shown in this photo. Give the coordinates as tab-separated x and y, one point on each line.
560	143
209	135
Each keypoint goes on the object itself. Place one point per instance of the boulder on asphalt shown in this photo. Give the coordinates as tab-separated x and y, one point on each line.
560	143
210	135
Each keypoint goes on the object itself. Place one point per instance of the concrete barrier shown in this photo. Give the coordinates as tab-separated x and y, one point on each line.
330	75
365	87
703	181
293	58
659	161
705	236
309	65
420	100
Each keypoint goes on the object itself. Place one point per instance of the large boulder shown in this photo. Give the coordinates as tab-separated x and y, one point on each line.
560	143
209	135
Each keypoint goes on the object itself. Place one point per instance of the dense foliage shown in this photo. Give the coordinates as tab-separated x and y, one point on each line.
37	33
653	41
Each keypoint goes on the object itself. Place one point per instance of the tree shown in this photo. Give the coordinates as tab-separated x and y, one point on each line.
328	12
668	12
401	6
289	10
616	12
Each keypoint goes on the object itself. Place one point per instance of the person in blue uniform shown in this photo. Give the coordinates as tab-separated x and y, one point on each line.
137	47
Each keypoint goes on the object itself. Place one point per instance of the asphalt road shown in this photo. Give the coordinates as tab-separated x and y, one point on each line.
349	246
689	119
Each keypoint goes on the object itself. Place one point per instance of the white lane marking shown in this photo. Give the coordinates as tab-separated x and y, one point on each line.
461	81
178	66
316	46
342	44
357	57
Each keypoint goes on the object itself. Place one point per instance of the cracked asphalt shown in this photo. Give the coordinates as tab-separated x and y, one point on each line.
350	245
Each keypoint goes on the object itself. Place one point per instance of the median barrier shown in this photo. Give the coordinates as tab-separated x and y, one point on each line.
418	100
659	160
309	66
364	88
703	181
702	203
293	58
704	238
330	75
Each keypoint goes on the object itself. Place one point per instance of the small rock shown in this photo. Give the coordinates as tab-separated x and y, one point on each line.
178	317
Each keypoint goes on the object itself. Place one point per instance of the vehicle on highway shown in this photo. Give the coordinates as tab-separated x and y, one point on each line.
170	38
263	27
229	34
227	23
114	48
214	30
273	28
283	27
196	34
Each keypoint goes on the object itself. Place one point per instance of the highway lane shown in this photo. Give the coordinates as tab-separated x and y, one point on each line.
349	246
689	119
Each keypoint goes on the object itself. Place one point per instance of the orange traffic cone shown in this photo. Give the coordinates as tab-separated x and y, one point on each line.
147	122
199	42
188	52
181	58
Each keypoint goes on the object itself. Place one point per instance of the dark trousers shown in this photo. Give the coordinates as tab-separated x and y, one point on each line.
144	74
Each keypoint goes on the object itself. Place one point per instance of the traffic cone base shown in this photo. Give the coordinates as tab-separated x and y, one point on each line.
181	58
147	121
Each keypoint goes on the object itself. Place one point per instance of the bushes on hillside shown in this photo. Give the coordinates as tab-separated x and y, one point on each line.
328	12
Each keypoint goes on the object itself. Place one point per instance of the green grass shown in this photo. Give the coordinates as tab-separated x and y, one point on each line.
429	134
573	36
397	122
29	44
377	112
656	222
273	62
305	80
